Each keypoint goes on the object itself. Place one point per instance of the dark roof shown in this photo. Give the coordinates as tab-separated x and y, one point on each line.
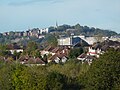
31	61
23	58
106	45
81	43
96	46
83	55
39	61
13	46
49	48
60	56
90	57
34	61
57	49
53	57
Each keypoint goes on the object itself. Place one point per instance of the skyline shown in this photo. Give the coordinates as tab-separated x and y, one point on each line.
22	15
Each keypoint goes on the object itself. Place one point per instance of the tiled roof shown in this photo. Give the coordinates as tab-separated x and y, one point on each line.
60	56
31	60
83	55
22	58
13	46
90	57
39	61
57	49
49	48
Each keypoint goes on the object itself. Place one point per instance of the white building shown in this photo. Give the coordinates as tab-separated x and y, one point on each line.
16	50
64	41
45	30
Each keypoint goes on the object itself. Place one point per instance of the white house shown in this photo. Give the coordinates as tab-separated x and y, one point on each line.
86	58
45	30
16	50
57	58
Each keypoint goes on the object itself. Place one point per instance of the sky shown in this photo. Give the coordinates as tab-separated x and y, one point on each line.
21	15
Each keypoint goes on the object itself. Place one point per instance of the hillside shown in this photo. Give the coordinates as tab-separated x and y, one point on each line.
83	30
66	30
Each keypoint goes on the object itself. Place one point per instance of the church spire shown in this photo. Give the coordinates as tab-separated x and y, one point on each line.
56	25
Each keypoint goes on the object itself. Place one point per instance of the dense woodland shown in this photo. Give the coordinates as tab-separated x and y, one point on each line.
102	74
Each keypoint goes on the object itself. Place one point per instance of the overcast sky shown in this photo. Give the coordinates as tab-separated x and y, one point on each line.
19	15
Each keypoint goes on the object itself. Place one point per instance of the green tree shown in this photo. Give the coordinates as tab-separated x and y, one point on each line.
36	54
51	40
104	73
3	51
16	55
31	46
5	76
55	81
75	52
77	26
45	58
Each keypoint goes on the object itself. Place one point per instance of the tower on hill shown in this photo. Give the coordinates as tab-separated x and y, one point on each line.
56	25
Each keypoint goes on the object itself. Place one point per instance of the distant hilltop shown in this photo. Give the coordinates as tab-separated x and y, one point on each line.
66	29
58	31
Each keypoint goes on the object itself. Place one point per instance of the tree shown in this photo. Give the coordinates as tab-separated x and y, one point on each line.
55	81
51	40
3	51
36	54
45	58
5	77
31	46
75	52
77	26
104	73
16	55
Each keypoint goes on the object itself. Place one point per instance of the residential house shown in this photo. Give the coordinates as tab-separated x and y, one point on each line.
47	50
57	58
14	48
82	57
86	58
31	61
89	59
23	59
94	52
45	30
56	50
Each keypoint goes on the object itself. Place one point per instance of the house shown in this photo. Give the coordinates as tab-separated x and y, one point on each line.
45	30
47	50
82	57
57	50
30	61
23	59
92	51
89	59
53	51
86	58
14	48
57	58
105	45
35	61
39	61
